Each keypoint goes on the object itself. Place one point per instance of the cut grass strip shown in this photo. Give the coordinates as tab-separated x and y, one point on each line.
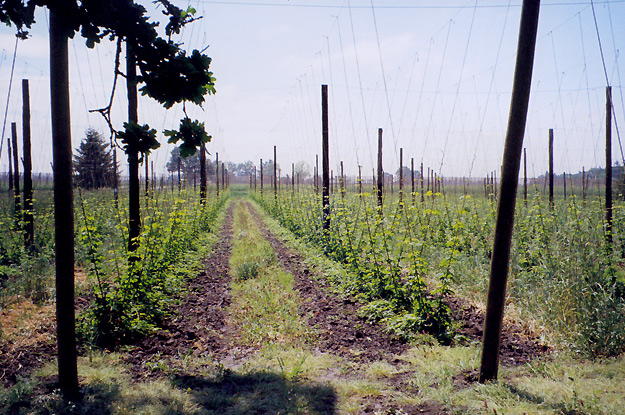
264	308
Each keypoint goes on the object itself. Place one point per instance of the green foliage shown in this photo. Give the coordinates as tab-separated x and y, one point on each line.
130	303
93	163
192	134
27	273
19	12
138	139
247	270
385	264
404	263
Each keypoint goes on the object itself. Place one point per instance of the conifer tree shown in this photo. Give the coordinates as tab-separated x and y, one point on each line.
93	162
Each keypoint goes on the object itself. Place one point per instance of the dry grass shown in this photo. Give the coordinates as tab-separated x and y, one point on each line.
25	323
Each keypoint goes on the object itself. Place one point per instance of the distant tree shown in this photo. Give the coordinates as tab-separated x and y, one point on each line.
303	169
93	162
241	169
188	165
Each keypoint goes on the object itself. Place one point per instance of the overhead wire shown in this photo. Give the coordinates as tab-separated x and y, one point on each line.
607	80
6	110
453	109
388	103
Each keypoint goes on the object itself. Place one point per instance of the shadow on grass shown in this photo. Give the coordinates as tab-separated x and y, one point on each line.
258	393
229	393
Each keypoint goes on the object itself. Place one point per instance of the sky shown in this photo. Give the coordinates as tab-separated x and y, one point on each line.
436	76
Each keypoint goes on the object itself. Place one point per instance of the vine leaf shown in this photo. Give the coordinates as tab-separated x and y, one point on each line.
192	134
138	139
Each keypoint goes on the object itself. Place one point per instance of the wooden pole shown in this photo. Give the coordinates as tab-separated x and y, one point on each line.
275	174
551	203
63	207
147	177
401	175
422	184
261	177
509	183
564	180
217	173
134	207
10	165
325	157
203	181
380	172
360	181
583	184
16	177
342	182
29	218
179	180
525	177
317	173
608	168
412	178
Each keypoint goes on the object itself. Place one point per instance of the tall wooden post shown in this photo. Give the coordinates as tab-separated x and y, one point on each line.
360	181
422	184
608	168
223	176
551	204
583	184
134	208
412	179
325	157
203	181
317	173
179	179
217	172
153	177
115	175
10	165
401	175
63	207
525	176
261	177
564	181
509	183
16	176
380	188
147	176
342	181
293	177
275	174
29	218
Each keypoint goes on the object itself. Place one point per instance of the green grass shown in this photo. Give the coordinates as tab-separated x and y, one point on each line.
264	309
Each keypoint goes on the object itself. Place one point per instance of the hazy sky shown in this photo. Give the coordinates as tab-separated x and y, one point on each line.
435	75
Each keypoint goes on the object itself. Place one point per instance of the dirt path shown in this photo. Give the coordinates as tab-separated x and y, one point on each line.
342	331
198	326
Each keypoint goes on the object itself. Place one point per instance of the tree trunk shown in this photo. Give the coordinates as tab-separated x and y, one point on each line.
509	183
134	198
203	174
29	225
63	208
16	177
325	158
